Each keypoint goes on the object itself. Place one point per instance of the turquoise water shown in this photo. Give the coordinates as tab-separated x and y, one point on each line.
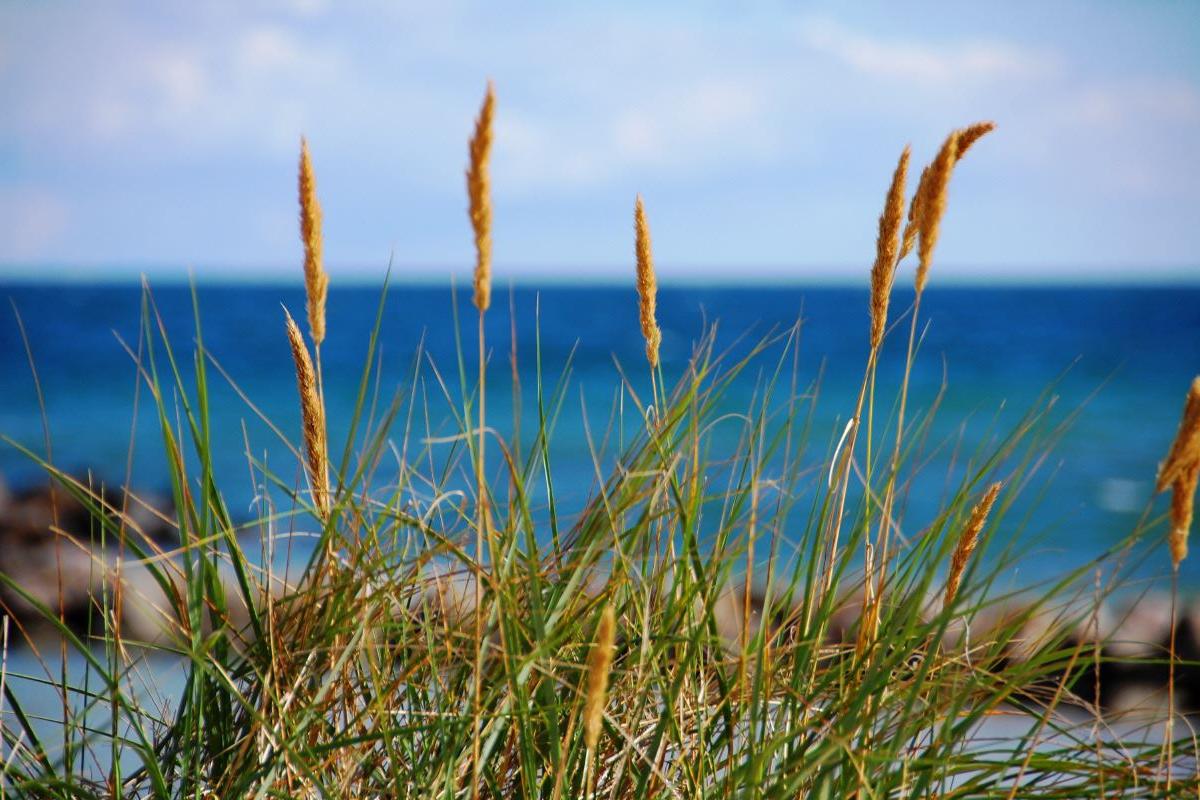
1123	357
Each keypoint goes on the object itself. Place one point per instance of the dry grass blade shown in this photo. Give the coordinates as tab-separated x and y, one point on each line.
647	286
967	541
312	415
316	280
886	246
599	664
480	199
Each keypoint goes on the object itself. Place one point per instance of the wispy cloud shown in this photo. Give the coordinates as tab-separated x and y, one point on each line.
34	218
925	63
687	127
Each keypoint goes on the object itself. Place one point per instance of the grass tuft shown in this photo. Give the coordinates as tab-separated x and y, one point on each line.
451	629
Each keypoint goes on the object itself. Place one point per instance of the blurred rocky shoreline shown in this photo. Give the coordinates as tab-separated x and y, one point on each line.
51	555
55	557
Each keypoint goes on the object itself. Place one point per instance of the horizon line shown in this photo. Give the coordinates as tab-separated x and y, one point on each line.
61	273
668	284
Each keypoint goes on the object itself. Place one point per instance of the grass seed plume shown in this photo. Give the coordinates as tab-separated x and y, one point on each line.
928	203
479	189
647	286
316	280
1180	472
931	207
967	541
971	134
887	245
599	664
312	416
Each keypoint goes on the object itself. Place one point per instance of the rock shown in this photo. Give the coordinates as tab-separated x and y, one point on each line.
152	518
1140	628
147	614
52	578
1137	635
730	616
1138	699
446	594
150	614
50	545
844	620
33	513
1134	638
1187	647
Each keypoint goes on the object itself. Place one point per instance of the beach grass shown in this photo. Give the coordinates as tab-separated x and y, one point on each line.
756	621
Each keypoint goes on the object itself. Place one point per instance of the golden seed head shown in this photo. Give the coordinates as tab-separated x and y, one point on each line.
932	206
316	280
928	201
480	200
1181	471
1183	499
967	541
970	135
647	286
1185	450
599	664
910	227
312	417
887	244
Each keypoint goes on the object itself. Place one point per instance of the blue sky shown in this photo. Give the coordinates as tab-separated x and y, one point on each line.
160	136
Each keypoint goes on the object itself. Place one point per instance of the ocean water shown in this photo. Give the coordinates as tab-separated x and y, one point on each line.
1119	359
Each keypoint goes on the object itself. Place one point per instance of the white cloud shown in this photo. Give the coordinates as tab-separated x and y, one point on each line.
267	50
128	86
33	219
183	82
689	126
304	8
1110	125
930	65
695	124
1157	102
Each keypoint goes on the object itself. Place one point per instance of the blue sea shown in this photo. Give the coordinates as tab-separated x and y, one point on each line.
1119	359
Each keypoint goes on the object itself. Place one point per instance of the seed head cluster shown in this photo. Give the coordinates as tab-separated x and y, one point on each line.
967	542
479	197
1180	472
647	285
